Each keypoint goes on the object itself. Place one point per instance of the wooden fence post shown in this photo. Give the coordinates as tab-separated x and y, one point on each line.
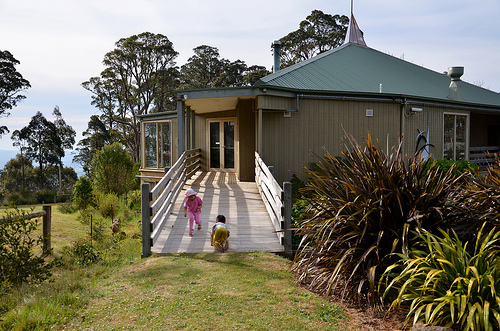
46	228
146	219
287	215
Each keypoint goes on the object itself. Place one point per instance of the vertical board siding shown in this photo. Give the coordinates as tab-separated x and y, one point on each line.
289	144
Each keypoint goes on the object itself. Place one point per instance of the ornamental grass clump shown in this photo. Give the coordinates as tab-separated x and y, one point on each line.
446	284
361	208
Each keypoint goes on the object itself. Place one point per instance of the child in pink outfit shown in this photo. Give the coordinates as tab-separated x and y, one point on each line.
192	206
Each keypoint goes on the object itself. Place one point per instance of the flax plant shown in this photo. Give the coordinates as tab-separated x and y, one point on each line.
361	207
478	202
448	286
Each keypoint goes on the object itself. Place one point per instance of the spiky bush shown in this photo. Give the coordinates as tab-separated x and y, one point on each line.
448	286
361	207
477	202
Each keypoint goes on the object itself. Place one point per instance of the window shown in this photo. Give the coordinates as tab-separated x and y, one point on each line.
158	144
455	137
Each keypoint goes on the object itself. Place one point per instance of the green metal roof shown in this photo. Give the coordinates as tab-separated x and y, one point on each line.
359	70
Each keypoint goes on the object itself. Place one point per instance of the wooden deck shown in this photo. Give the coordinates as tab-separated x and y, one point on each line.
247	218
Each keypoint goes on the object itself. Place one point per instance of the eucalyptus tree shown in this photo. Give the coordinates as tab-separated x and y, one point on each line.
202	69
206	69
318	33
12	84
67	135
43	143
98	134
254	73
139	77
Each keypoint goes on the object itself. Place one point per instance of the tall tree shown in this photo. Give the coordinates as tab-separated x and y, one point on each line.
43	144
67	135
18	176
255	73
21	144
64	131
202	69
232	74
133	83
318	33
12	84
205	69
97	135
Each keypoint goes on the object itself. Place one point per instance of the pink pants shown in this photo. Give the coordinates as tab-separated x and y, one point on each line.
194	217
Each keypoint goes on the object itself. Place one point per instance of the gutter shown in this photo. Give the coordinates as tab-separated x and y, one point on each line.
400	100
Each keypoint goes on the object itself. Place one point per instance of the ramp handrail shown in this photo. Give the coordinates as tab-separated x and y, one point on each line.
278	201
157	203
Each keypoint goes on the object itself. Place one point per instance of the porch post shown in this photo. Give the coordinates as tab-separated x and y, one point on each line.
193	131
287	215
146	219
188	127
181	133
259	133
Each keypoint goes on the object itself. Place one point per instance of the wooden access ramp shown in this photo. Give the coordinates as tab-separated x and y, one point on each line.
247	218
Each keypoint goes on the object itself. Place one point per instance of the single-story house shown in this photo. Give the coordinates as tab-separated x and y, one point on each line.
291	114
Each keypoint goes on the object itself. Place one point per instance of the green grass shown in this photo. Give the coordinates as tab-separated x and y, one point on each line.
206	291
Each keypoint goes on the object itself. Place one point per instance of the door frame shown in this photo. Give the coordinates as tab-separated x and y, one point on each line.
236	158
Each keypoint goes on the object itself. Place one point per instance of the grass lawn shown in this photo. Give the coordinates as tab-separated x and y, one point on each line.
206	291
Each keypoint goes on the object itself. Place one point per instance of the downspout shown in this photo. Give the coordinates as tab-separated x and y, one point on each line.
402	124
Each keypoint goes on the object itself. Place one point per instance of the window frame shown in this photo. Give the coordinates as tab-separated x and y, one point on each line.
161	161
466	142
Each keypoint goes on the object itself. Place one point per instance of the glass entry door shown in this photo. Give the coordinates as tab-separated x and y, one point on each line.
221	142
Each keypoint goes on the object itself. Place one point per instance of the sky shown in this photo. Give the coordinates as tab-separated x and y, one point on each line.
61	43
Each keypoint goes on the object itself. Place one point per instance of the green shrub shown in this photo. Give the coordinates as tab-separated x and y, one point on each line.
113	170
361	208
108	205
18	262
83	195
134	200
67	207
84	253
448	286
458	167
45	196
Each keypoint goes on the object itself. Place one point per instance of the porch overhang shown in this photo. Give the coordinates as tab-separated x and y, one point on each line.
222	99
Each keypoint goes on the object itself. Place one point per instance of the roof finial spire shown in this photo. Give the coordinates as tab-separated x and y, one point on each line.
354	34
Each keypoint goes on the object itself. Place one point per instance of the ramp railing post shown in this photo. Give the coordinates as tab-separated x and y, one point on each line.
287	215
146	219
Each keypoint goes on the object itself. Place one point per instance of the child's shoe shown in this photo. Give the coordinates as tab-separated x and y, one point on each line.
190	233
199	226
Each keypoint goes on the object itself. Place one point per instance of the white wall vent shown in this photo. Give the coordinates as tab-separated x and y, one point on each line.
369	113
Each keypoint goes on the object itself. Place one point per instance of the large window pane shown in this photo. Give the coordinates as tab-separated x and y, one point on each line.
461	122
214	145
151	154
229	144
166	143
455	137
